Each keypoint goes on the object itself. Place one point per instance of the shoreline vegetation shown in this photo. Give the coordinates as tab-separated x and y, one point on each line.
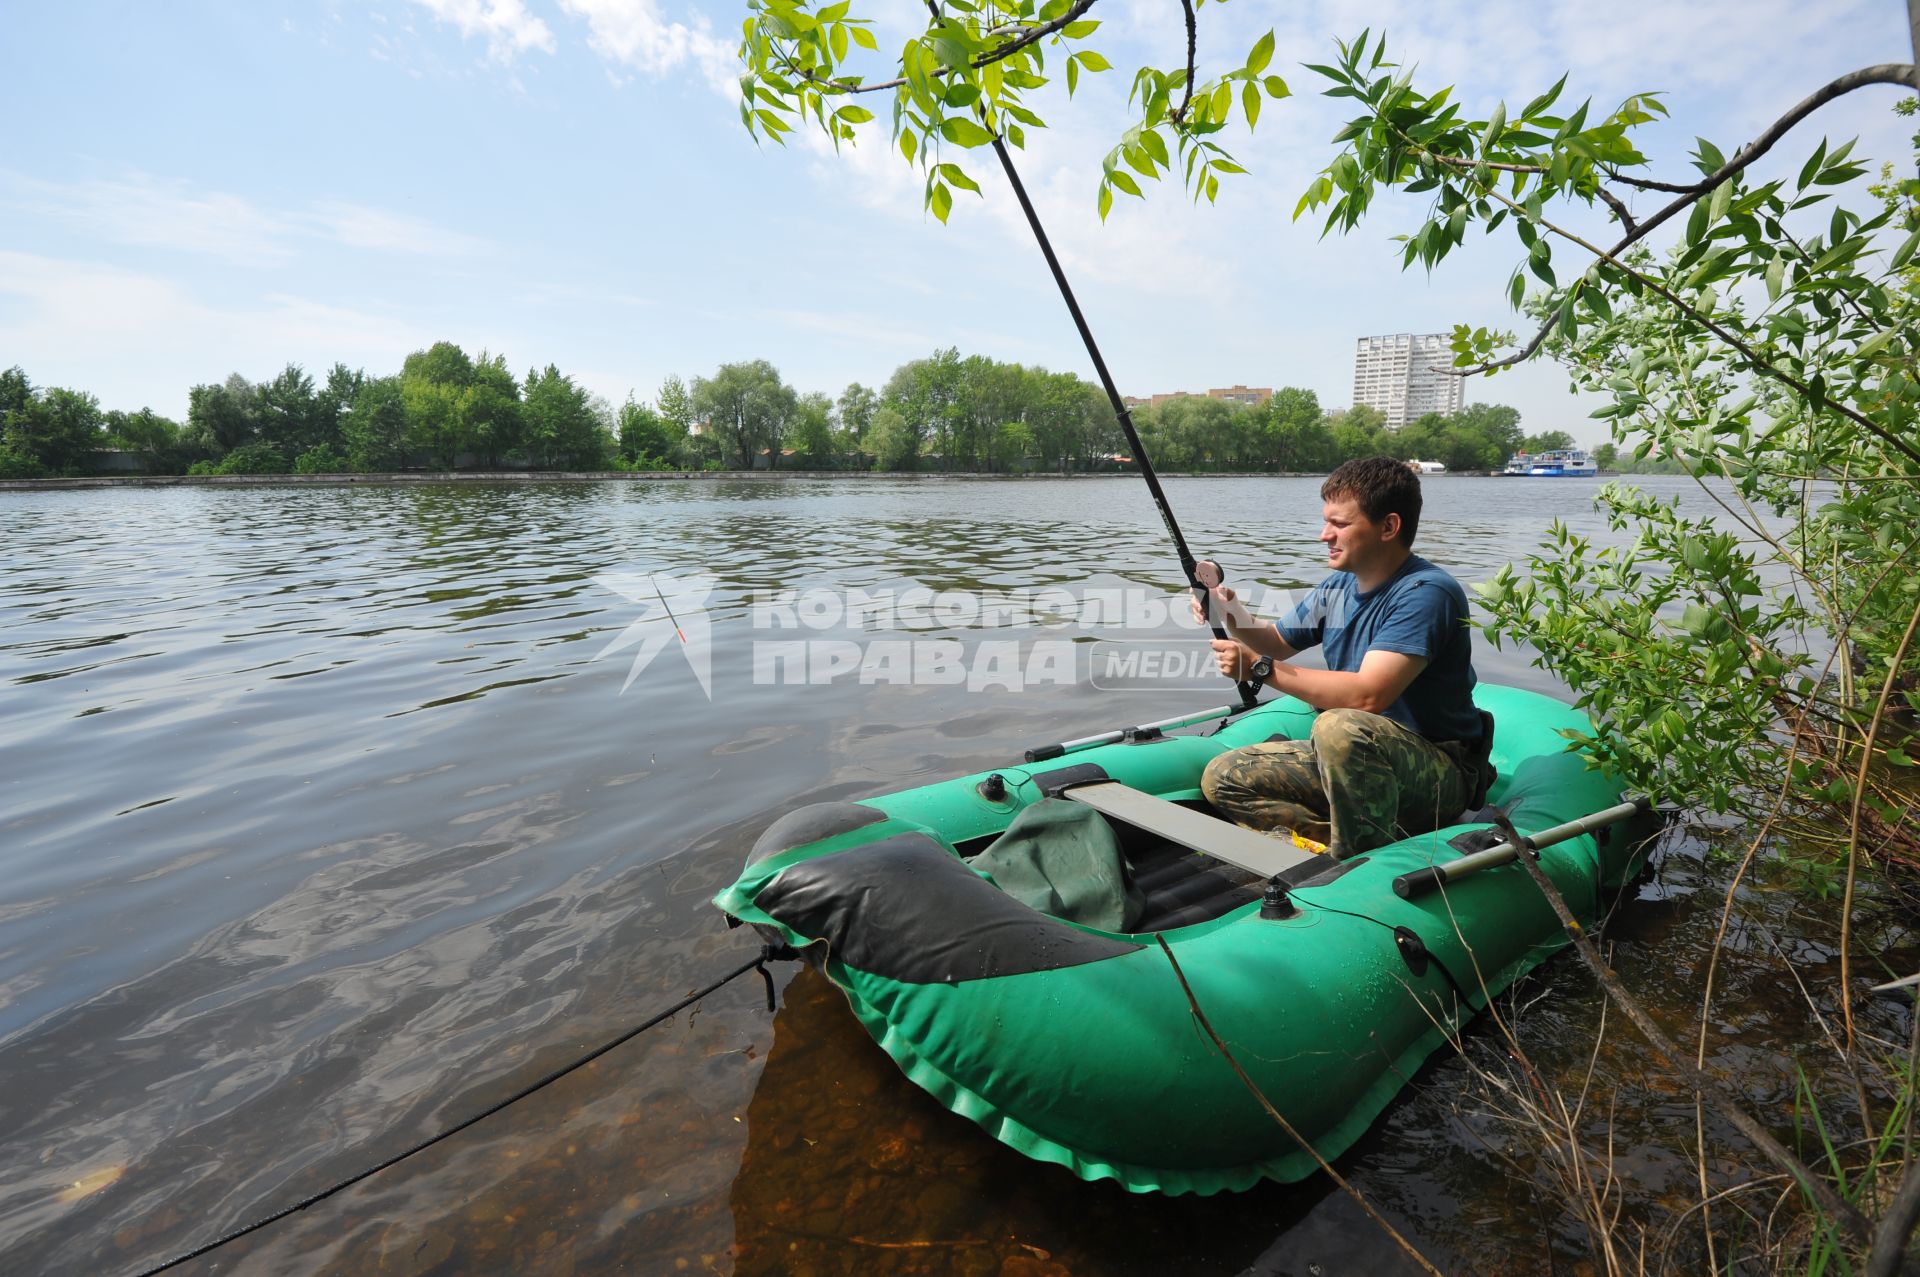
447	411
397	477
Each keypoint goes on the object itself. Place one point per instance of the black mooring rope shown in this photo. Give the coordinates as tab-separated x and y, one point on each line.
1249	691
767	952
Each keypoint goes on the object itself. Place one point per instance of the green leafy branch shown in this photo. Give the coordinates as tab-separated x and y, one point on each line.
970	77
1421	143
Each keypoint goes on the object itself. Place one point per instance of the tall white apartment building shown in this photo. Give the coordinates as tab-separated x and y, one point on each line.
1398	374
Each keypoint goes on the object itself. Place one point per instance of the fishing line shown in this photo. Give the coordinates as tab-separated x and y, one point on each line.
768	953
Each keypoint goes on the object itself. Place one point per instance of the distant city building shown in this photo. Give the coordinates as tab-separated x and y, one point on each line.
1251	395
1402	375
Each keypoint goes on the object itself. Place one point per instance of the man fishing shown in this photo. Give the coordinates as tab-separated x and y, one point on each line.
1398	747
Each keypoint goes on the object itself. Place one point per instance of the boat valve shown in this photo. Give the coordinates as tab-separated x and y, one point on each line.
1277	903
993	788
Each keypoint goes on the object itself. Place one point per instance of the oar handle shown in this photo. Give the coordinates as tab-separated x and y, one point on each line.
1042	753
1420	882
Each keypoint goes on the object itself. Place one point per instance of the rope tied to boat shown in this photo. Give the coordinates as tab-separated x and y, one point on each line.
769	952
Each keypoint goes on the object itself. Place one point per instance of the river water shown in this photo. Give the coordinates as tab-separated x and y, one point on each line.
327	818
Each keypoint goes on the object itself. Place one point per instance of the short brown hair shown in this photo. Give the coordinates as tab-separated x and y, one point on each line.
1382	486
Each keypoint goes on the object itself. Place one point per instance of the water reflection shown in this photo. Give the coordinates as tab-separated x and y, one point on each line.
322	827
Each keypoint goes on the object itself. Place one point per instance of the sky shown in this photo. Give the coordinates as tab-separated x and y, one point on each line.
193	189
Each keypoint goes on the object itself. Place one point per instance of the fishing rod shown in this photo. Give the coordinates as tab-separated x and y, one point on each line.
1249	689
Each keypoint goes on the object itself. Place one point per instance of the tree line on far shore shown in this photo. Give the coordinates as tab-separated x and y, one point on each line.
448	410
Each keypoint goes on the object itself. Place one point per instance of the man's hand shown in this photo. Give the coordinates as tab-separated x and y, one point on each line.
1227	609
1233	658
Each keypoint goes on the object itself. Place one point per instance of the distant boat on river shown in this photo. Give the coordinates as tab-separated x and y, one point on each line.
1560	463
1428	467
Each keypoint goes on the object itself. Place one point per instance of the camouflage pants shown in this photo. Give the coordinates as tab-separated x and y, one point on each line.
1361	782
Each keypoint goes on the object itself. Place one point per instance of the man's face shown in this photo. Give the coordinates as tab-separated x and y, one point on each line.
1354	542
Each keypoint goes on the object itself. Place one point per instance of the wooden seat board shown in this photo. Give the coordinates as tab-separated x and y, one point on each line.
1194	830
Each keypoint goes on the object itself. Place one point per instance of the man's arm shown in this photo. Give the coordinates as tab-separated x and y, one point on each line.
1381	679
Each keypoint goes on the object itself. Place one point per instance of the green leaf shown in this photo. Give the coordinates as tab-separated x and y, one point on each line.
958	177
1276	87
951	53
1222	102
1106	201
853	114
963	132
1120	179
1073	75
1722	197
942	201
961	94
1156	147
1261	55
1903	254
1250	102
834	12
864	38
907	145
1494	126
1898	757
1545	100
837	39
1697	223
1776	277
1079	30
1812	165
1092	61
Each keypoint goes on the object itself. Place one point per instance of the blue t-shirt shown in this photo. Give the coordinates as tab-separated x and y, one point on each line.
1420	611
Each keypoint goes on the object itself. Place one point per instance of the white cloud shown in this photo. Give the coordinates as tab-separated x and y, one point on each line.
864	333
507	27
633	33
176	216
151	213
358	226
119	332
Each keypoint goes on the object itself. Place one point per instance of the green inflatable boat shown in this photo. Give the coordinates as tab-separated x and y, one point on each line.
1075	1043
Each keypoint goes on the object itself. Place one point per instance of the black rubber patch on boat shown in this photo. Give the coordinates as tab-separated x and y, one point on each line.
810	824
906	909
1051	783
1476	840
1319	872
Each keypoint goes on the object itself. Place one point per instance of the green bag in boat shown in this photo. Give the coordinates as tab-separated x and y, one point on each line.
1063	859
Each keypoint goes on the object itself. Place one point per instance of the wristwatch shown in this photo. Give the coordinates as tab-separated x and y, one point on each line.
1258	671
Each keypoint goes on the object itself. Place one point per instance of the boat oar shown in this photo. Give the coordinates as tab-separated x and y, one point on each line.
1411	886
1145	731
1249	691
